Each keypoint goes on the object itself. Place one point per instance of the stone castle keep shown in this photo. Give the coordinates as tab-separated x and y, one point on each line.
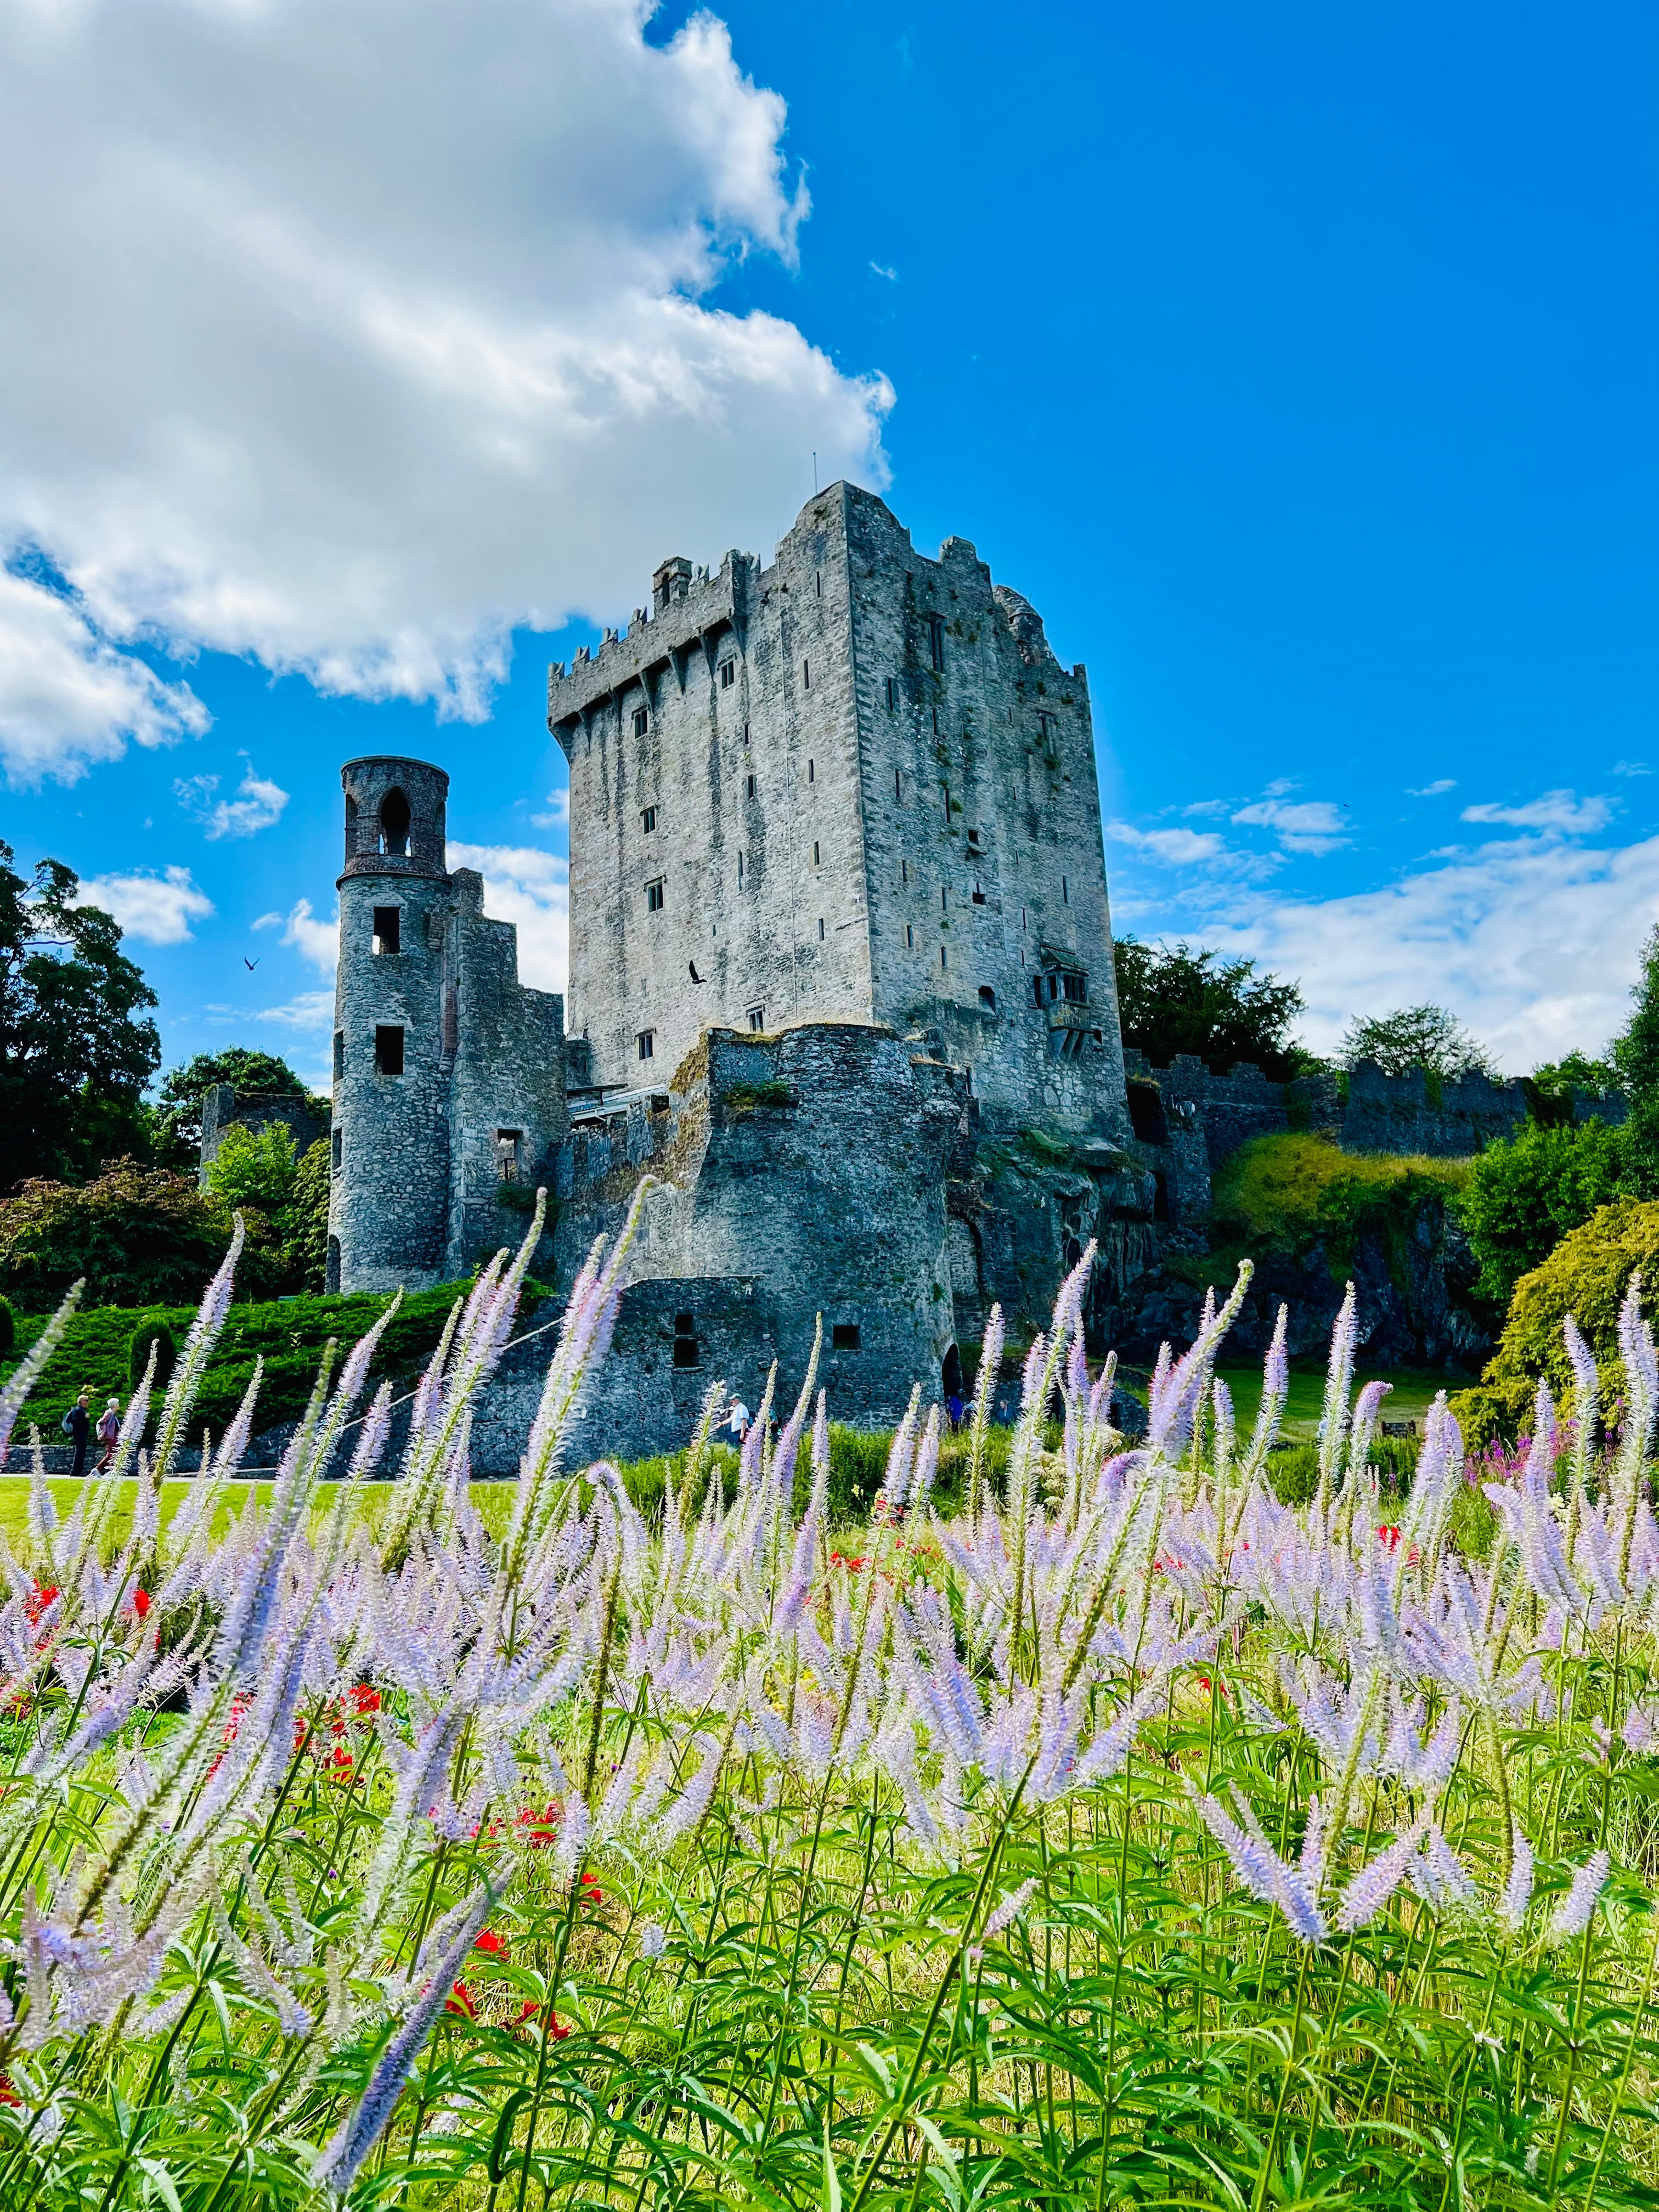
841	984
838	908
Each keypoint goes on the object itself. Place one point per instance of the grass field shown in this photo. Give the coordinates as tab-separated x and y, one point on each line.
1412	1395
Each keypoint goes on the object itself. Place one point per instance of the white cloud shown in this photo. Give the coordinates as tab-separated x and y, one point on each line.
1555	810
1433	790
350	338
310	1010
891	275
316	941
1179	848
1308	825
155	908
258	804
558	813
1631	768
68	699
1531	941
531	888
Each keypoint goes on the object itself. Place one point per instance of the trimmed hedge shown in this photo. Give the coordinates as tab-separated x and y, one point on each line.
1587	1276
1290	1193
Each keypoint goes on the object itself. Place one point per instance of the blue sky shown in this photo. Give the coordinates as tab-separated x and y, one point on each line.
1298	363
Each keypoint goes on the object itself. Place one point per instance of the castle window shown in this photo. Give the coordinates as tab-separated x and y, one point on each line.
745	733
388	1052
508	1146
815	852
728	674
1065	892
936	639
898	784
686	1353
1046	725
335	1146
811	772
844	1336
909	936
647	819
388	928
339	1052
641	721
945	788
893	693
943	897
979	895
645	1044
973	839
820	929
394	823
757	1018
944	961
818	579
751	786
806	676
904	871
988	998
655	894
740	871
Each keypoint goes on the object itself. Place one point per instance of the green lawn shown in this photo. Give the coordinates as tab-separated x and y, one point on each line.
493	1499
1410	1400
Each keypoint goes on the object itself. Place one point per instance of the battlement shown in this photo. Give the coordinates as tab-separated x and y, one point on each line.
692	610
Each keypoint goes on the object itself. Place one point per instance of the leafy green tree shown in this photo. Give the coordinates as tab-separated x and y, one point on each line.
1635	1054
1525	1193
1173	1000
308	1220
75	1046
1575	1071
1430	1037
255	1170
254	1074
141	1237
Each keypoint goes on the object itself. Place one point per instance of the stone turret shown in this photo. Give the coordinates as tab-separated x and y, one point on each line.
448	1072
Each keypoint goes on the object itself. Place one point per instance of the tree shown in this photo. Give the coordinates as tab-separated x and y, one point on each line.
1574	1071
254	1170
141	1237
75	1047
1429	1037
252	1074
1172	1000
1635	1054
1525	1193
308	1220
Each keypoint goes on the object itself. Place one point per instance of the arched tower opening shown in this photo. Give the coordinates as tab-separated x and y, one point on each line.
394	824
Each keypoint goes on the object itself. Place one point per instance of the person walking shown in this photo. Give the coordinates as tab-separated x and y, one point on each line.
738	1420
954	1410
109	1432
77	1427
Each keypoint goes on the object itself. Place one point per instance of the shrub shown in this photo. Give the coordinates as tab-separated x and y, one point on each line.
1526	1192
157	1333
1587	1276
307	1253
254	1170
8	1327
141	1237
1297	1191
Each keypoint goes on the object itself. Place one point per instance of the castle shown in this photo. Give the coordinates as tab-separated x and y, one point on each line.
840	985
838	908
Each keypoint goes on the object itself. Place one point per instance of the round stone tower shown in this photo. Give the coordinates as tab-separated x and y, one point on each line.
394	1031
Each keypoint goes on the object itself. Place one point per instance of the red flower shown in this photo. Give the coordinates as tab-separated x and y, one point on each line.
7	2094
494	1944
527	2012
592	1893
461	2002
141	1602
1388	1536
38	1600
365	1699
540	1827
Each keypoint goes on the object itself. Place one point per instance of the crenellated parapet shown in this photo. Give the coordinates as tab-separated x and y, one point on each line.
692	611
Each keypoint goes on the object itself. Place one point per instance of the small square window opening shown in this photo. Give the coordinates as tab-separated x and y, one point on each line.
645	1044
508	1148
728	674
339	1052
647	819
641	721
655	895
388	928
388	1052
751	786
757	1018
844	1336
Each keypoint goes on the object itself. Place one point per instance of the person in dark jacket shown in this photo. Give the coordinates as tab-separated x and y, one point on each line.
77	1427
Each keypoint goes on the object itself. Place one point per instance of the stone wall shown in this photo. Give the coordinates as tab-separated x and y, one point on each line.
305	1119
811	1164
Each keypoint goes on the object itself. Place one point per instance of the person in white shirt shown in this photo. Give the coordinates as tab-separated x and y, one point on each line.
738	1420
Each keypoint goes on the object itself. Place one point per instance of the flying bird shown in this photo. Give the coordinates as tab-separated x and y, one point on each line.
249	965
696	978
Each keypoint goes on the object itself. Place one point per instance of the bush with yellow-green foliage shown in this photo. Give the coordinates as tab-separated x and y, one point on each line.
1587	1276
1287	1194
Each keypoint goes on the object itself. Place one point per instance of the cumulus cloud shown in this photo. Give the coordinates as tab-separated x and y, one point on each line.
310	1010
1308	825
557	816
157	908
68	698
1433	790
531	888
1179	848
1532	941
347	338
1555	810
316	941
258	804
